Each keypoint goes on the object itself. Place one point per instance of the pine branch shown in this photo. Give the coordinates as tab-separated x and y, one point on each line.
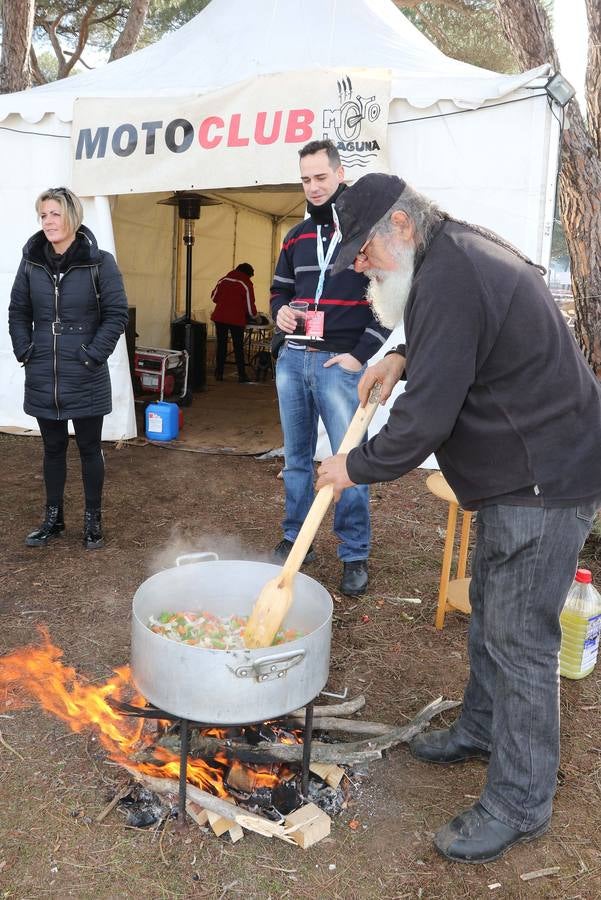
462	6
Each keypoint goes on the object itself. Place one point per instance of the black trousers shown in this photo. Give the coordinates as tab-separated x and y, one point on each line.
56	440
237	331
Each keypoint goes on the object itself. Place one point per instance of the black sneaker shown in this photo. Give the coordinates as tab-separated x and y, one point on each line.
354	577
282	552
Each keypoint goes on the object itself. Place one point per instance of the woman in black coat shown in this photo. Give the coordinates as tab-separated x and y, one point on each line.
67	310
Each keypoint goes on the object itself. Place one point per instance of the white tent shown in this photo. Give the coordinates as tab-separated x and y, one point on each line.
222	106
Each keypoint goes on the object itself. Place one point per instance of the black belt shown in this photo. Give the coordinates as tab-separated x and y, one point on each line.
68	327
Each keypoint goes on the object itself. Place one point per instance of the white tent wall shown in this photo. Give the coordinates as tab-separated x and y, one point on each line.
494	165
28	165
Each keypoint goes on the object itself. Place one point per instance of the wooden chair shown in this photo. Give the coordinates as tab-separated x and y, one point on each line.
453	592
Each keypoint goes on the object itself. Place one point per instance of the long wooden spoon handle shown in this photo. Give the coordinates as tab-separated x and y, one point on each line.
357	428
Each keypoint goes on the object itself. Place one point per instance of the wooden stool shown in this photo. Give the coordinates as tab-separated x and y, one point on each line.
453	592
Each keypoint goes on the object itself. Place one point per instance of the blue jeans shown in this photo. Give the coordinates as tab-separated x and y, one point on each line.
306	391
523	565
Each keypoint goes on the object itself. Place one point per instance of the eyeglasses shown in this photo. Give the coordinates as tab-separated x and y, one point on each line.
361	254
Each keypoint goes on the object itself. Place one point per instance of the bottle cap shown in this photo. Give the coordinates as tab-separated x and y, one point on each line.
584	576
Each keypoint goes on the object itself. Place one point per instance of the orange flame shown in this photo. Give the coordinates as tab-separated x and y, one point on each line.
37	671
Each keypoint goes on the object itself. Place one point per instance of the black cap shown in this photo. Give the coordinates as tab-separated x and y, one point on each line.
361	207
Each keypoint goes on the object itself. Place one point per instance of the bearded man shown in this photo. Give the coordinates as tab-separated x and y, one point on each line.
498	389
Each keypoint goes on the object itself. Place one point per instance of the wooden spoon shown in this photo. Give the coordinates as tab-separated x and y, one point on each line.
276	596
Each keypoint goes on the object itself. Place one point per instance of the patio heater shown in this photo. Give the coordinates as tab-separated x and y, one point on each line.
186	333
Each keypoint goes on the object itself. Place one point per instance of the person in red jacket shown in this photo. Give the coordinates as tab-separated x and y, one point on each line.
234	299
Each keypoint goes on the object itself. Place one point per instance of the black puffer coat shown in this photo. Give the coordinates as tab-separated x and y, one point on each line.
62	332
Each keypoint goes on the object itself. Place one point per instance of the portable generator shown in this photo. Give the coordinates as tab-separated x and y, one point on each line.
161	371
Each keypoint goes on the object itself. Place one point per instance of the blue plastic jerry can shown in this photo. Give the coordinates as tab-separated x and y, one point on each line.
162	421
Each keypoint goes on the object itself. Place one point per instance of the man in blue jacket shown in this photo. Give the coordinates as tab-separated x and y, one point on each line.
317	373
498	388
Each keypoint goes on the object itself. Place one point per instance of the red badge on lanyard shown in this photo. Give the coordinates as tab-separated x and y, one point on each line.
314	321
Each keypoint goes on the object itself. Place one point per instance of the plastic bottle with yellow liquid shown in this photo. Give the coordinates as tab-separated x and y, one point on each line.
580	627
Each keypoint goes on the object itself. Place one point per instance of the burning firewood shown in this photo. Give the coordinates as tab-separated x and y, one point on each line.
248	820
344	753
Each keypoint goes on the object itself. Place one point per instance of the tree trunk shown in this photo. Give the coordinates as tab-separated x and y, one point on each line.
17	29
528	31
128	38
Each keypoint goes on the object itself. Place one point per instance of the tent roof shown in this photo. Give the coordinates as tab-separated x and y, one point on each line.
233	40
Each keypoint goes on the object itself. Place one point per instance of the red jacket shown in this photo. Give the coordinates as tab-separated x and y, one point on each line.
234	297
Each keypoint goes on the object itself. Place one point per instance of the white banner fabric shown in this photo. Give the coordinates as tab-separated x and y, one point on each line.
241	136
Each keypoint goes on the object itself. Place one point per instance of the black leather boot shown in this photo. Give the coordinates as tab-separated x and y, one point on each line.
92	529
445	746
52	526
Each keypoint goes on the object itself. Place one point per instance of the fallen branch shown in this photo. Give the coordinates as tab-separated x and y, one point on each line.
8	747
540	873
335	709
347	753
110	806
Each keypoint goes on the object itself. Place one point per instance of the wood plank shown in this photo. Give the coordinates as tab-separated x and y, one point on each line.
331	774
307	825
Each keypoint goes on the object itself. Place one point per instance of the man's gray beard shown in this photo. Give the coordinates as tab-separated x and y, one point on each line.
388	290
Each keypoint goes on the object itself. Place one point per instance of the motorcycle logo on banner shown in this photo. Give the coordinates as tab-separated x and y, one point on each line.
245	135
345	126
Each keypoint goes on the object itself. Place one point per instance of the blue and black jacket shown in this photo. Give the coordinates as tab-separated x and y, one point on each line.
349	323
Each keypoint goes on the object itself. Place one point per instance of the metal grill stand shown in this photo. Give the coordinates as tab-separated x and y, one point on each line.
151	712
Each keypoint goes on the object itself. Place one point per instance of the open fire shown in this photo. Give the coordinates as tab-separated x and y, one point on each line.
38	672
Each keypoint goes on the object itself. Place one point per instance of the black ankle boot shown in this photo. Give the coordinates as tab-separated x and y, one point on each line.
52	526
92	529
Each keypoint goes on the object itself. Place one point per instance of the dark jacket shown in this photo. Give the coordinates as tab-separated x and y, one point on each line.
496	384
349	324
66	372
234	297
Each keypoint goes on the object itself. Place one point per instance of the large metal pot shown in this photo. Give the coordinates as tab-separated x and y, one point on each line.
224	687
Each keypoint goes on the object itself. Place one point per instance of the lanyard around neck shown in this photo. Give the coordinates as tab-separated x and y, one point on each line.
325	260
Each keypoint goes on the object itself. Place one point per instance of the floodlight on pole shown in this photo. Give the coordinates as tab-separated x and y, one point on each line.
560	89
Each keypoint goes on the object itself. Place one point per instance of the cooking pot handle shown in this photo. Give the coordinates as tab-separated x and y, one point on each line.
197	556
267	668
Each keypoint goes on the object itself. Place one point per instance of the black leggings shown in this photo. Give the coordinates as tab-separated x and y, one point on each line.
237	332
56	440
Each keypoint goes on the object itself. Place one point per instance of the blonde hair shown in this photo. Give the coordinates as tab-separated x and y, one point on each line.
69	203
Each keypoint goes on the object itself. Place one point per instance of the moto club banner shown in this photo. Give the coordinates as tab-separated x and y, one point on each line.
247	134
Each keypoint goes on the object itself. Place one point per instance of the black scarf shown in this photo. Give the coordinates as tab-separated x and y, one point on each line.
322	215
60	262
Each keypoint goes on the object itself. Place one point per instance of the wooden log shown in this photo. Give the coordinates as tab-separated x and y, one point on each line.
308	825
351	726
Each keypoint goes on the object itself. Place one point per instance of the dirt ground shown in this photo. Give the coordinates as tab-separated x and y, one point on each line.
54	782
